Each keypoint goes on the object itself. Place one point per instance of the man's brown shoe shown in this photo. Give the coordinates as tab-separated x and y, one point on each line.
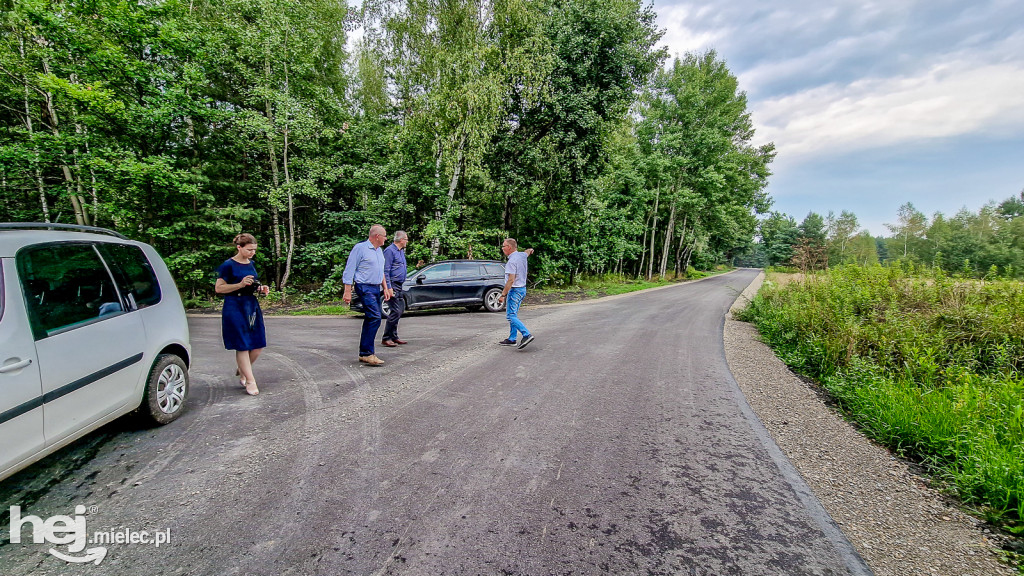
397	341
372	360
389	343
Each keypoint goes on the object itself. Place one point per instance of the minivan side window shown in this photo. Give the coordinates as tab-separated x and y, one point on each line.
65	285
133	272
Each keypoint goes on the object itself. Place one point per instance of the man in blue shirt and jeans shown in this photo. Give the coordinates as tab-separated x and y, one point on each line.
365	271
515	289
394	271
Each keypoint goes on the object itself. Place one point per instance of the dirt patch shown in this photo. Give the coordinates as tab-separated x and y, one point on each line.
538	298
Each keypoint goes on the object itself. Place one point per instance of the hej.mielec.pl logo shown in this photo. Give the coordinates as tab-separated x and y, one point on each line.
70	531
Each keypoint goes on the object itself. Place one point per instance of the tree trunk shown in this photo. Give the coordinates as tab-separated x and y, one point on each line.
669	233
689	252
452	184
654	231
44	205
291	215
506	216
69	180
679	248
92	184
643	242
435	242
87	220
275	213
287	183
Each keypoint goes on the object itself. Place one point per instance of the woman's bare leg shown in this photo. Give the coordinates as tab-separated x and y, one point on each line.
242	358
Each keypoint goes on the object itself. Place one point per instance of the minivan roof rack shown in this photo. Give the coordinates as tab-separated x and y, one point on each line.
54	226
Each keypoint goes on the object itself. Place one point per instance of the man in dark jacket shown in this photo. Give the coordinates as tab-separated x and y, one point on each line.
394	270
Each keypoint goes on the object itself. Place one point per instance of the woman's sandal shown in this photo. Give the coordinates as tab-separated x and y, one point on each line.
253	391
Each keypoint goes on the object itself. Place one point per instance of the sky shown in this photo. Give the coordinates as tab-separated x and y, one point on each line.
873	104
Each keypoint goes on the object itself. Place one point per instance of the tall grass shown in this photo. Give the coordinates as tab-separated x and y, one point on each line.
929	365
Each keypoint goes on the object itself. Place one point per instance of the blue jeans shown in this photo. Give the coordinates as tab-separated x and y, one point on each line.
370	295
512	302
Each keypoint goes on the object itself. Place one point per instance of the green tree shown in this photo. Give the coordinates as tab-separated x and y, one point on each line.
840	231
553	138
909	229
696	131
779	234
814	229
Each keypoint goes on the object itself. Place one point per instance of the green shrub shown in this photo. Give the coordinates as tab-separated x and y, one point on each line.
928	365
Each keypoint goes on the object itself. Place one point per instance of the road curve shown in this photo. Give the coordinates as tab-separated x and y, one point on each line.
618	443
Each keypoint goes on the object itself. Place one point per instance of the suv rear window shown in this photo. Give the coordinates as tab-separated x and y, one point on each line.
65	285
133	272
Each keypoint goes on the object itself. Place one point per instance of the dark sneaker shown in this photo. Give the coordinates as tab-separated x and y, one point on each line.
507	342
526	340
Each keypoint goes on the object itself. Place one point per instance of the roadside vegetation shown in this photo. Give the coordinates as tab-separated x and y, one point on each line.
585	288
925	363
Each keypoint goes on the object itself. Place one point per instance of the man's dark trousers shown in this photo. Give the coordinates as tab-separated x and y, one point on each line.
370	295
397	307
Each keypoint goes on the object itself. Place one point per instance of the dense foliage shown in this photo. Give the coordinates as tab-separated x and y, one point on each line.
463	121
930	365
983	244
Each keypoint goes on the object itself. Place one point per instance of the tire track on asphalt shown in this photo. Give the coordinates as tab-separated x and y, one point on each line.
157	465
309	456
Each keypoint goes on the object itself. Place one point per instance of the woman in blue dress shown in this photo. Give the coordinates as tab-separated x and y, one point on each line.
241	318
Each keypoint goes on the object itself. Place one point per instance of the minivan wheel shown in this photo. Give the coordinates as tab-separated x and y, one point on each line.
491	301
166	389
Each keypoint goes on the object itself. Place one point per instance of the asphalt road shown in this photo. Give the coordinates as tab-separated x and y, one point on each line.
617	442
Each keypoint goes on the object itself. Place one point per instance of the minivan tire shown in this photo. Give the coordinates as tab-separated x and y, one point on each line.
166	390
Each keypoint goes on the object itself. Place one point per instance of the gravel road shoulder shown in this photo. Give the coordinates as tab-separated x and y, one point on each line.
898	524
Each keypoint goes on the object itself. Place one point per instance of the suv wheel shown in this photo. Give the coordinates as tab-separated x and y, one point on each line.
491	300
166	389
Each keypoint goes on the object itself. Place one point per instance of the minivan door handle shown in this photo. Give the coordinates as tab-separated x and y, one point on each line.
15	366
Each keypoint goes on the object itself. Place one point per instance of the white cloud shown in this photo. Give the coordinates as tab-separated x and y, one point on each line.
959	98
680	38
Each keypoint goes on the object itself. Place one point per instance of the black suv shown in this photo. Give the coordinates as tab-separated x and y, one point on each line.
474	284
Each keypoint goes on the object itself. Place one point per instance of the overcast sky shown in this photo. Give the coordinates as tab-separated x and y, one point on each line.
872	104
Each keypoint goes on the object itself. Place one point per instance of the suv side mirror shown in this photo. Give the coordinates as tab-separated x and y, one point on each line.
419	279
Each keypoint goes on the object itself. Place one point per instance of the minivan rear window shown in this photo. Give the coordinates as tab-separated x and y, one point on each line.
133	272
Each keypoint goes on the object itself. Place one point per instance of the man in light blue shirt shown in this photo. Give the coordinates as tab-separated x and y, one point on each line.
515	289
365	271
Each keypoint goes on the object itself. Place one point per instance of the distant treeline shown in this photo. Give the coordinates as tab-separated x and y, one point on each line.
556	122
986	243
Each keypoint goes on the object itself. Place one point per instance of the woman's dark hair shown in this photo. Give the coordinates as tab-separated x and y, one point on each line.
244	239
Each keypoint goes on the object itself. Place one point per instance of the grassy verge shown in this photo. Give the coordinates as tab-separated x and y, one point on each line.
585	288
928	365
612	284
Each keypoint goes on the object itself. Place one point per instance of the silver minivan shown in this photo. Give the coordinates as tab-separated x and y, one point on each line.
91	328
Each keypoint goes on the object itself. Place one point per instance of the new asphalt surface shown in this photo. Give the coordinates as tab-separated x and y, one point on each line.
616	443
